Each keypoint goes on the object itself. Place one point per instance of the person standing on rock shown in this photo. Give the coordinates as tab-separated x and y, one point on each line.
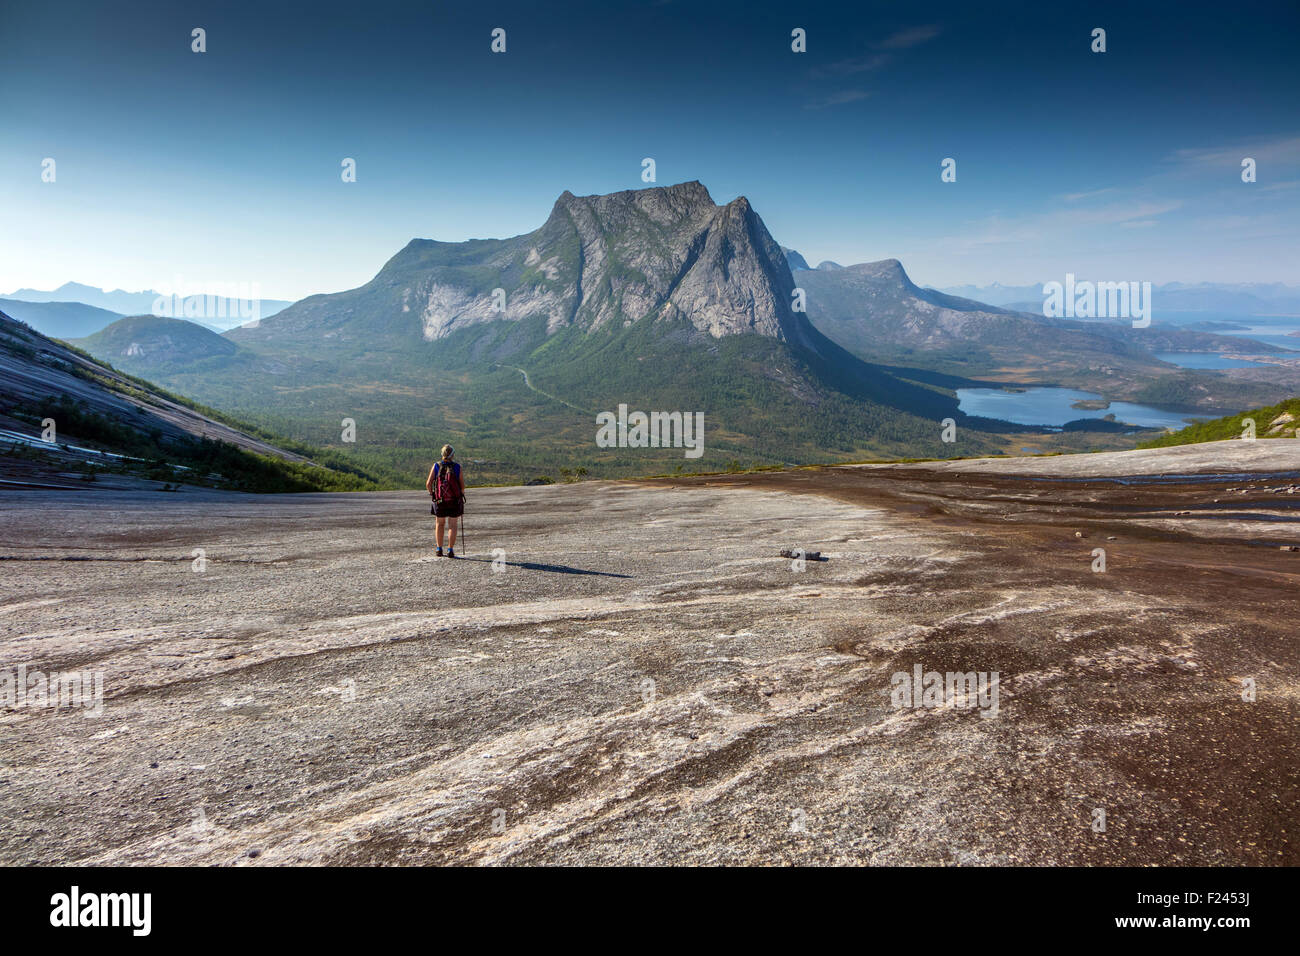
448	492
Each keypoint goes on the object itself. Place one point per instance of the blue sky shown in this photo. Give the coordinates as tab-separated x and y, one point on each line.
225	166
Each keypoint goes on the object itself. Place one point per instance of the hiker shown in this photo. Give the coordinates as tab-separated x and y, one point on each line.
448	493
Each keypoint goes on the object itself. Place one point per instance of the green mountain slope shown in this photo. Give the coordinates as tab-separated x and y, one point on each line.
1273	421
152	346
112	428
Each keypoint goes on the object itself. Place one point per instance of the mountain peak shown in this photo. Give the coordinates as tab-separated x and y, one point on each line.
692	187
662	203
882	267
670	251
665	253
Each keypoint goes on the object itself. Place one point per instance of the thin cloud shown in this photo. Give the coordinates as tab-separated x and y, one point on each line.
1075	197
904	39
870	62
837	99
859	64
1036	228
1283	150
1121	213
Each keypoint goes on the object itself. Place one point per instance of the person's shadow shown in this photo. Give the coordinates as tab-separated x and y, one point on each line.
550	568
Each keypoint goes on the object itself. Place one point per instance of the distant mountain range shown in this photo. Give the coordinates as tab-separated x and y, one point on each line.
875	307
1261	298
118	303
1178	297
60	320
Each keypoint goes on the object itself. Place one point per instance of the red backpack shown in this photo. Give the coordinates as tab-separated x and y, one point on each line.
446	482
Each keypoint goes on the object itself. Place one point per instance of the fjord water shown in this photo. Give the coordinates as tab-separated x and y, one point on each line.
1051	406
1207	360
1272	329
1275	330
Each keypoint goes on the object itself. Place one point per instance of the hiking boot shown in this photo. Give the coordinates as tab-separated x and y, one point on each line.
439	552
451	552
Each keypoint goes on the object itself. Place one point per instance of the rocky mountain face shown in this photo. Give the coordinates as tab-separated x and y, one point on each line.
876	303
598	262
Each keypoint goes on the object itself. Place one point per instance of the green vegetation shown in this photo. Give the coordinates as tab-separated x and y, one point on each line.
408	396
201	461
1232	426
1180	391
755	394
140	444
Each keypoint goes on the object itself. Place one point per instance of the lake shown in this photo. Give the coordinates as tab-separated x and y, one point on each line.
1050	406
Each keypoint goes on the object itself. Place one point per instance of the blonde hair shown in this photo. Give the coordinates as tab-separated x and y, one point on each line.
447	452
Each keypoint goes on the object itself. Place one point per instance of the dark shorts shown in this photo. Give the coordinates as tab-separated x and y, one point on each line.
448	509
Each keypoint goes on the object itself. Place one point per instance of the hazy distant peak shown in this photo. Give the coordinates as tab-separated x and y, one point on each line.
794	259
880	265
121	302
885	269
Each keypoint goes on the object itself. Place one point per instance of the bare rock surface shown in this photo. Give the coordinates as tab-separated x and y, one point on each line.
643	680
33	367
1279	456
